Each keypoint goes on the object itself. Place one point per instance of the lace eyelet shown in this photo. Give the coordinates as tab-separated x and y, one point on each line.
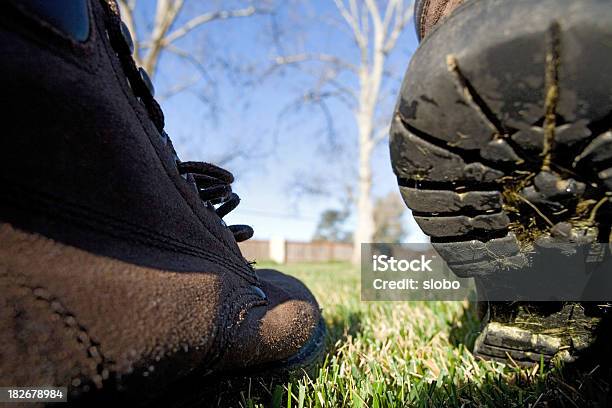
259	292
127	37
147	81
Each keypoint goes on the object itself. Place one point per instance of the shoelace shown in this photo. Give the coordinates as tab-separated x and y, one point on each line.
212	183
214	187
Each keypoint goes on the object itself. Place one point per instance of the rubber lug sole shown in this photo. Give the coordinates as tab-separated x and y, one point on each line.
501	141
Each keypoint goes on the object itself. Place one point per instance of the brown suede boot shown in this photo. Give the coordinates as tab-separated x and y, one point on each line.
117	274
428	13
502	148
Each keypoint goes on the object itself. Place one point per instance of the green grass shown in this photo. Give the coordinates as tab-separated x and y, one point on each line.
397	354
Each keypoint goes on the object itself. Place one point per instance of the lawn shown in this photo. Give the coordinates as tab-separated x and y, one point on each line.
397	354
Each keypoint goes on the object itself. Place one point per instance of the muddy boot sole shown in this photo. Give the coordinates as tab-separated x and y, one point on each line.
501	138
527	337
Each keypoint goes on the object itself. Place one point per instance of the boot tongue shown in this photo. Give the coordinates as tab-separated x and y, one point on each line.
69	16
428	13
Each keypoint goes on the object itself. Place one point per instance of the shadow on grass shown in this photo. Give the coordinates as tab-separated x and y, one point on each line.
343	326
465	331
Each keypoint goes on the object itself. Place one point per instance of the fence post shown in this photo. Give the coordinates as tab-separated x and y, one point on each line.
278	250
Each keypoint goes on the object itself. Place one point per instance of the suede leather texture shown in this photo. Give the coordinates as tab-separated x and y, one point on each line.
431	12
72	318
113	273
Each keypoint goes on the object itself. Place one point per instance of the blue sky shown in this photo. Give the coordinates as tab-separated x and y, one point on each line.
279	145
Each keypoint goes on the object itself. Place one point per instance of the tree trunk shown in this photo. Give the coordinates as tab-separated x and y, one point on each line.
369	81
365	210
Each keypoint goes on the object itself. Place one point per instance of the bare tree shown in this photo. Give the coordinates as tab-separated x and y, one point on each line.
163	34
166	23
374	30
389	225
331	227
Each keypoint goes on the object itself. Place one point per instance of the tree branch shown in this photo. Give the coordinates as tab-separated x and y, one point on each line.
380	135
207	18
197	64
373	9
178	88
402	17
299	58
165	15
325	77
352	19
390	13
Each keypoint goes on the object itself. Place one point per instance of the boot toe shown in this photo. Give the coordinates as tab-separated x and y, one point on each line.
289	323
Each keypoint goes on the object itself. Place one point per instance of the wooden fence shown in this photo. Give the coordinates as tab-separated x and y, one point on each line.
318	252
255	250
282	251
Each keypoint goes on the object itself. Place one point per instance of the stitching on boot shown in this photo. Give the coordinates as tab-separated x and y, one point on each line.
422	18
462	6
69	321
234	304
85	216
222	333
